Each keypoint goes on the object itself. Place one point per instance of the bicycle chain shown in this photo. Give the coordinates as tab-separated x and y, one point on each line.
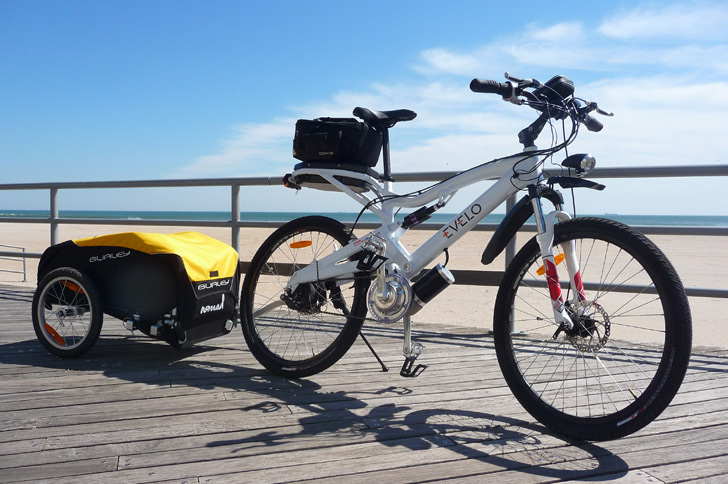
370	276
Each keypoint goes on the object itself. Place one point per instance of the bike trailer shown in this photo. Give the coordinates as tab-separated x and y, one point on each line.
182	287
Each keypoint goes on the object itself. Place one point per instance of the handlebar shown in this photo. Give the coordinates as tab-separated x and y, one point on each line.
487	86
511	92
592	124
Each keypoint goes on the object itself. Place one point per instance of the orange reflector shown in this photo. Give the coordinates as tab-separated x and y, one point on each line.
55	334
73	286
301	244
558	259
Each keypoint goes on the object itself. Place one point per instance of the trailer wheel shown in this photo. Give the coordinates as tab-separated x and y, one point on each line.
67	314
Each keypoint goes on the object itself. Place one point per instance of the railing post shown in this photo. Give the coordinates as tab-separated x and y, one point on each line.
54	216
235	216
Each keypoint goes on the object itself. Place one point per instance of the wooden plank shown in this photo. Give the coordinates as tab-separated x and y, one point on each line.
157	458
547	465
712	469
136	410
629	477
49	473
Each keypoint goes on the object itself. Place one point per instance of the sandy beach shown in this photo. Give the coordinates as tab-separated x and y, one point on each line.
698	260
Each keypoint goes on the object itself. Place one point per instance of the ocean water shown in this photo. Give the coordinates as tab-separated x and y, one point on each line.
660	220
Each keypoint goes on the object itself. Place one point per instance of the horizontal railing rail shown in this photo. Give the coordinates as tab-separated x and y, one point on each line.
14	257
235	223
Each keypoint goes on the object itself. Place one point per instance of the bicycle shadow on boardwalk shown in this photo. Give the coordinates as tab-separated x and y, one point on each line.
321	416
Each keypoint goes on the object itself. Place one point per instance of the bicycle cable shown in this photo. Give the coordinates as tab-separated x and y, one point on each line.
539	105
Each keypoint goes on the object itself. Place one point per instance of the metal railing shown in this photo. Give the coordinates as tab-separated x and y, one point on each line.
4	255
235	223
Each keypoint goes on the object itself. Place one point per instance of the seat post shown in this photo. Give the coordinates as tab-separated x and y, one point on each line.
387	176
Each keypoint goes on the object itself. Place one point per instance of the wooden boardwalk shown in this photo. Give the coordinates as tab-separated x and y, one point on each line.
134	410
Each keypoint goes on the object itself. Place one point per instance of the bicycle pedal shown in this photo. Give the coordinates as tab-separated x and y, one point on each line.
408	372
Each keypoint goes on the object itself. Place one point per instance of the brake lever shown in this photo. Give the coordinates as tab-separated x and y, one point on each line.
590	106
523	83
513	78
520	89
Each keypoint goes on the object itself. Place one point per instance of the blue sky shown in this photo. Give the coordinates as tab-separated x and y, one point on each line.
104	90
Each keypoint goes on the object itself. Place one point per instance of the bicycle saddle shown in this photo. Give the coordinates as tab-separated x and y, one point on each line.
384	119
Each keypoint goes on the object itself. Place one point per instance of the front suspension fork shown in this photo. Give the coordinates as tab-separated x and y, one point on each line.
545	238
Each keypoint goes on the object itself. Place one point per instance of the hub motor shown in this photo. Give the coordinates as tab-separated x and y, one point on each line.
393	302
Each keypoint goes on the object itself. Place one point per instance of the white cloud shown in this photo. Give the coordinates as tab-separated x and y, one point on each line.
561	45
670	100
248	151
694	21
561	32
445	60
674	37
444	109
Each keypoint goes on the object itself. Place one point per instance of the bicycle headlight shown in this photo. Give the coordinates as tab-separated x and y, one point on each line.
582	163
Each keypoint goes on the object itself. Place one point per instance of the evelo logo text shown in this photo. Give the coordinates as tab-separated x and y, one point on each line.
462	220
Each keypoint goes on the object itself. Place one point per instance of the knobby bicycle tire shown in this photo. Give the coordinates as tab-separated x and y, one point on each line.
624	360
308	331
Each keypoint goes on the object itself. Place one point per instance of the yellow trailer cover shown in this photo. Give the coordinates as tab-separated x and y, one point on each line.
204	258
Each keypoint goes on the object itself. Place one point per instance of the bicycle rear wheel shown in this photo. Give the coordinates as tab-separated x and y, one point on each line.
624	360
302	333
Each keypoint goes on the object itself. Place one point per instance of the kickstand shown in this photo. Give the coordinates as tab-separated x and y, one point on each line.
384	367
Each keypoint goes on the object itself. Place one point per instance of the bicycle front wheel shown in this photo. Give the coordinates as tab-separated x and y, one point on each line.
302	333
625	358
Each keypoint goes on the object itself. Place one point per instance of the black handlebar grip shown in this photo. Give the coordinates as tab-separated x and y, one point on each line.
592	124
505	89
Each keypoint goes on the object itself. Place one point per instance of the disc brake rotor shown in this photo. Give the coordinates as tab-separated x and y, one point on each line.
591	326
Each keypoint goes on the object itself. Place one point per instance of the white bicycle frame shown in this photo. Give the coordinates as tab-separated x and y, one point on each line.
385	240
